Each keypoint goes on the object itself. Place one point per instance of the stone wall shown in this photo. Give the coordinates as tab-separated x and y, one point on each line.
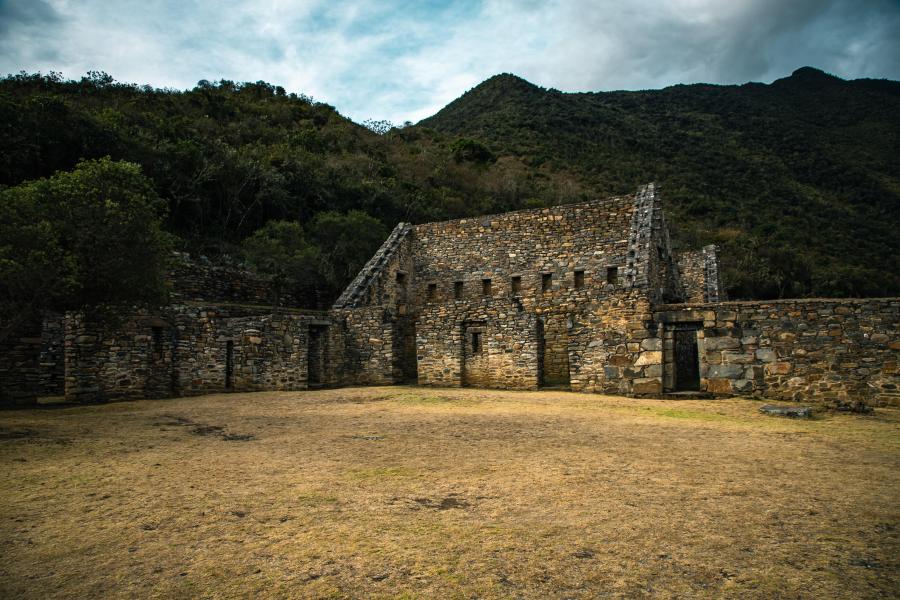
31	362
188	350
191	280
505	356
367	345
700	275
20	371
802	350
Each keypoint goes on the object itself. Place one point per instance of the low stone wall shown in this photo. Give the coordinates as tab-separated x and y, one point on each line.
801	350
31	362
188	350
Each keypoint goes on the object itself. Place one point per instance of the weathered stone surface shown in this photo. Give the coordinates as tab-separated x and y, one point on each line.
778	368
766	355
801	412
722	343
649	358
719	386
651	344
727	371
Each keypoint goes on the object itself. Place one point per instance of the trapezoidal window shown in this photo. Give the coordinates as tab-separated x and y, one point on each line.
476	342
457	289
579	279
546	281
432	291
612	275
485	287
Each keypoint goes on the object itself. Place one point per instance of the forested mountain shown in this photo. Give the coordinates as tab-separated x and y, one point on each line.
798	181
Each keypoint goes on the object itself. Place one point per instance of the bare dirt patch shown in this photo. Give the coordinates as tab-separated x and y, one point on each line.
420	493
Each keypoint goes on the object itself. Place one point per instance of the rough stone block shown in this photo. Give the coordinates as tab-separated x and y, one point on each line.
647	386
766	355
651	344
742	386
738	357
722	343
728	371
718	386
649	358
778	368
801	412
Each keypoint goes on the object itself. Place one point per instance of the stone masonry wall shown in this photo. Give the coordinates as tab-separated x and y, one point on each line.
802	350
183	350
31	362
505	272
368	345
700	275
190	280
507	356
596	324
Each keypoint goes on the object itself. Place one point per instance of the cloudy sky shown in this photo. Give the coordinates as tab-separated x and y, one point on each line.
400	60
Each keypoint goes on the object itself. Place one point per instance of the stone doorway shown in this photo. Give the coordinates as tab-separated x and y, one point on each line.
686	359
405	362
553	351
315	357
229	365
476	371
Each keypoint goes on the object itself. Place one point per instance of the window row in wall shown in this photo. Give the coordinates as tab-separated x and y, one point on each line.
515	284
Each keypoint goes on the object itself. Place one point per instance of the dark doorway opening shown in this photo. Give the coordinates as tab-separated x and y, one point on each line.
316	356
541	344
229	365
553	352
476	367
687	360
405	365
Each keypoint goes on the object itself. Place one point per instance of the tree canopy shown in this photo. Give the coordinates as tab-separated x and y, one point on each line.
87	239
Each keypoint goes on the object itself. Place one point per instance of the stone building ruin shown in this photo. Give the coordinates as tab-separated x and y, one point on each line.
587	297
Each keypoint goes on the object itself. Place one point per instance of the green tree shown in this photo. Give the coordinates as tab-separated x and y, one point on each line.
346	242
89	239
280	249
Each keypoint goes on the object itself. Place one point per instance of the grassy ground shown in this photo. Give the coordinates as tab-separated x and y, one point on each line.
419	493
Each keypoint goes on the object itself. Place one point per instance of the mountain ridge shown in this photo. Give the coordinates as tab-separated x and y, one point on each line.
797	181
746	166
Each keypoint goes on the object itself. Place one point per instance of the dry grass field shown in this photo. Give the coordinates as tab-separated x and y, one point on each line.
409	492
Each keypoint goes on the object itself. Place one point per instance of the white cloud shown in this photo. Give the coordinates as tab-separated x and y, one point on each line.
404	61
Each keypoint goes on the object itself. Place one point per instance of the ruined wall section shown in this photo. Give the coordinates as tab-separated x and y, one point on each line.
376	283
650	265
700	275
31	361
197	281
184	350
801	350
507	354
377	323
367	341
613	347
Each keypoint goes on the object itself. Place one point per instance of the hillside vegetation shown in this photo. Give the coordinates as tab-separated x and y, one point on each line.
797	181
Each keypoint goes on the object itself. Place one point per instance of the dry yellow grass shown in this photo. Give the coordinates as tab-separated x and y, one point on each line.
420	493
